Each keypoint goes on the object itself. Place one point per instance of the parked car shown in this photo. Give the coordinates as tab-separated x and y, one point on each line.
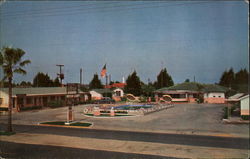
105	100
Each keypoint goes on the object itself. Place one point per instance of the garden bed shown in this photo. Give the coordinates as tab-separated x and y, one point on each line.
7	133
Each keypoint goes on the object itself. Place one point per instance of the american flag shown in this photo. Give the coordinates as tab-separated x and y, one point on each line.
104	71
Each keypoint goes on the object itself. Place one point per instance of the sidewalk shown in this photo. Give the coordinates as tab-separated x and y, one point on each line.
235	120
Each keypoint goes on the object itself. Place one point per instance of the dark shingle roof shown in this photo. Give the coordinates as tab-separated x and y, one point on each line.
214	88
188	86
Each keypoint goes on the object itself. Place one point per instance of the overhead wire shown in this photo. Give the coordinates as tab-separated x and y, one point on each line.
50	9
111	8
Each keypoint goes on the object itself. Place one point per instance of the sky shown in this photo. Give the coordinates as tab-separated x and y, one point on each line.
194	38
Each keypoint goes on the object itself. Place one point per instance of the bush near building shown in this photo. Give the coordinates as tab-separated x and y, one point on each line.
30	108
245	117
55	104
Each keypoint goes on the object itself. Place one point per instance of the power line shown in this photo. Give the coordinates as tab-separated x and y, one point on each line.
46	10
113	8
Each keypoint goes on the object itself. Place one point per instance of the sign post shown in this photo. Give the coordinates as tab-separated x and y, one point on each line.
72	93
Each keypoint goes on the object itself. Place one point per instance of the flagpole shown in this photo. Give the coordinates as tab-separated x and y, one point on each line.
106	83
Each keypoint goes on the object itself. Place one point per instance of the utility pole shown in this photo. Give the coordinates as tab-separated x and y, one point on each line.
109	79
80	77
60	74
161	73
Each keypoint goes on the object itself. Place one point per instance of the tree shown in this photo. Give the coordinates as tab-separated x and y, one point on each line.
56	82
11	62
147	89
164	79
241	81
187	80
95	82
133	84
42	80
237	81
227	79
25	84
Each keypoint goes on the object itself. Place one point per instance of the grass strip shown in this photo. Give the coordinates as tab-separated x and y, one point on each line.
7	133
71	124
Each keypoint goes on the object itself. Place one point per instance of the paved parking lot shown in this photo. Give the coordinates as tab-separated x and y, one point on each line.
182	118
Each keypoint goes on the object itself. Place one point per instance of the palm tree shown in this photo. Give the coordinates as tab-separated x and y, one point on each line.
11	62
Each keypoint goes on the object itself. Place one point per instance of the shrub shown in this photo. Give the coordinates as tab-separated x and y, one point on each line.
55	104
30	108
142	99
123	99
104	111
245	117
153	99
3	109
225	113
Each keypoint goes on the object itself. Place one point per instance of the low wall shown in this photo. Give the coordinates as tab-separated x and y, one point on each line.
214	100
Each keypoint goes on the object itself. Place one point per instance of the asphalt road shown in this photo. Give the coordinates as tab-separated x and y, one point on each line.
181	139
26	151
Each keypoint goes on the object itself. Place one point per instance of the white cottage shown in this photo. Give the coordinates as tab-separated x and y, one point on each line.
115	93
244	105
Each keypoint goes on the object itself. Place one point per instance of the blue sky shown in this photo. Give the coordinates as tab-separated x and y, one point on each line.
199	39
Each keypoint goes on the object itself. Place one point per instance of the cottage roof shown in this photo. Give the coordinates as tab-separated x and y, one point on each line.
236	96
214	88
36	90
194	87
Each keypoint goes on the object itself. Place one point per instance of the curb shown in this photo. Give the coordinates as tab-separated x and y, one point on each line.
226	121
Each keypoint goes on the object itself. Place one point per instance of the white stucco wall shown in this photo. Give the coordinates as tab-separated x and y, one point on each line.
95	94
5	98
214	95
244	103
118	89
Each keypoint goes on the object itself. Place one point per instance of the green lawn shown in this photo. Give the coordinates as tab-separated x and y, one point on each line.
71	124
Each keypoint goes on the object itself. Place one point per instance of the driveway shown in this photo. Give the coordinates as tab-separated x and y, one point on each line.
182	118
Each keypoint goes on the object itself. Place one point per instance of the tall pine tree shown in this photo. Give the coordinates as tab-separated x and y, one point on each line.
164	79
227	79
237	81
95	82
133	84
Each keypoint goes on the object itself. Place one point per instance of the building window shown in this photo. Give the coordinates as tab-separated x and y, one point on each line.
29	100
118	93
1	101
62	97
178	95
52	98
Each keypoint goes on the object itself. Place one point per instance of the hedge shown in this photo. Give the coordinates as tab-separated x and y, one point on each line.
3	109
30	108
245	117
55	104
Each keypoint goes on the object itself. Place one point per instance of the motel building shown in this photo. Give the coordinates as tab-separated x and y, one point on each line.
114	93
40	96
190	92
